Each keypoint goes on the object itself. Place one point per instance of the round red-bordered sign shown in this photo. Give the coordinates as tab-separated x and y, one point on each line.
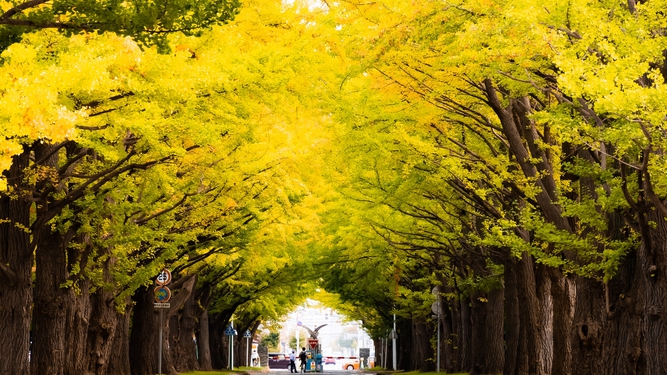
162	294
164	277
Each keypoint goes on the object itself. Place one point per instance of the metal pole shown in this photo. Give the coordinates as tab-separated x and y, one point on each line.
247	351
393	345
229	352
438	368
159	353
231	348
386	350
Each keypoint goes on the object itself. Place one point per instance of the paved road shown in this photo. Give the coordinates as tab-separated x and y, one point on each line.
328	369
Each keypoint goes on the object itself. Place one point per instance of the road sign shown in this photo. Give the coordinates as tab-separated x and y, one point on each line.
435	291
164	277
312	343
247	334
393	335
160	305
435	307
230	331
162	294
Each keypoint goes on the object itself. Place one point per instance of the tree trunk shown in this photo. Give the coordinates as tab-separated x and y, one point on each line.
494	342
653	278
404	328
76	328
203	340
465	347
16	260
217	342
562	323
529	312
447	338
103	324
51	304
119	360
456	335
182	330
144	340
421	352
477	336
545	330
586	337
513	320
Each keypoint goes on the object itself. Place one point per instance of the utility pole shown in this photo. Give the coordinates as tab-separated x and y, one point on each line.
394	336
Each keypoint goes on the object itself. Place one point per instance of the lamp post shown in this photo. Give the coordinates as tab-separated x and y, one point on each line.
298	324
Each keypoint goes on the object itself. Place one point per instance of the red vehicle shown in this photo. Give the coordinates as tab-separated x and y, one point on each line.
329	361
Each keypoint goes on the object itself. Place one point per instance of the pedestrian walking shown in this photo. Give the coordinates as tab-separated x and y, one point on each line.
292	362
302	358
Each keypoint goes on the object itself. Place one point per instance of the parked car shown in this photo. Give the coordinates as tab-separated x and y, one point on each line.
329	361
278	361
353	364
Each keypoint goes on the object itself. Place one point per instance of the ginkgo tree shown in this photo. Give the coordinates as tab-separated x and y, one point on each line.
519	131
148	149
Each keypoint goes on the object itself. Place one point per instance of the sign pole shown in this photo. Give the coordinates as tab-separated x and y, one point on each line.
247	336
393	345
438	368
159	353
162	295
231	347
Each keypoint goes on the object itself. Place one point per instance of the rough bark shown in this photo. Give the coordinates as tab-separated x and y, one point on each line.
587	327
512	316
447	340
562	323
51	300
493	334
465	347
529	312
182	331
653	280
51	304
119	360
404	327
76	327
103	325
421	352
545	333
16	260
458	334
203	340
143	339
218	342
477	337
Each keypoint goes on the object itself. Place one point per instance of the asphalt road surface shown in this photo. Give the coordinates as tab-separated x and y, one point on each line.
328	369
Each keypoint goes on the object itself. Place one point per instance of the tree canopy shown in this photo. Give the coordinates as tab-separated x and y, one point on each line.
509	155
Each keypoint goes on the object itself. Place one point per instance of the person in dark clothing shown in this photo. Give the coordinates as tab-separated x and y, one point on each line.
302	358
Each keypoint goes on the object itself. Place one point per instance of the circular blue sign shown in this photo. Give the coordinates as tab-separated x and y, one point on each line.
162	294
